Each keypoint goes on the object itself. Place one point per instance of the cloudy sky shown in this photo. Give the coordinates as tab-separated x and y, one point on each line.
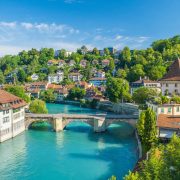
69	24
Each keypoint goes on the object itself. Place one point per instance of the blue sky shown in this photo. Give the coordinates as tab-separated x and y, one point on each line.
70	24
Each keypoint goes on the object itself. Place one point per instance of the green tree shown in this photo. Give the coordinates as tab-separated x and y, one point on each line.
111	66
18	91
76	93
117	89
140	124
136	72
95	51
125	57
142	94
132	176
150	131
106	52
2	79
38	107
48	96
21	76
121	73
62	54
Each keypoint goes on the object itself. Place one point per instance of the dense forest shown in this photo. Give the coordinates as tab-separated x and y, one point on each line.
152	62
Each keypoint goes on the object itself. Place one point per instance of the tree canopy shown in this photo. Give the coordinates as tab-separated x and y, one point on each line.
38	107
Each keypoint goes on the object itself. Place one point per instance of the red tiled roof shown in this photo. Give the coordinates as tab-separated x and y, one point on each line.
168	121
54	86
174	72
14	101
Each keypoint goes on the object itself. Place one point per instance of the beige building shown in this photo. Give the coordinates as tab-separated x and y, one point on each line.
12	115
170	83
168	119
169	109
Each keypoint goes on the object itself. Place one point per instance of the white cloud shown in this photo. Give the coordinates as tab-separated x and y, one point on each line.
11	50
16	36
118	37
8	24
27	25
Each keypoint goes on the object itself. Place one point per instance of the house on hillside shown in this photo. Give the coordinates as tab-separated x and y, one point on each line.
12	115
100	74
170	83
52	62
146	82
75	76
97	81
34	77
83	63
105	62
71	63
56	78
168	125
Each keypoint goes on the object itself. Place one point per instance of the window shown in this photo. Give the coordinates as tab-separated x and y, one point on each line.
7	111
162	110
5	119
177	109
176	85
169	110
166	85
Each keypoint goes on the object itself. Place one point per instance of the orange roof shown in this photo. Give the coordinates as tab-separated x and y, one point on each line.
168	121
54	86
14	101
174	72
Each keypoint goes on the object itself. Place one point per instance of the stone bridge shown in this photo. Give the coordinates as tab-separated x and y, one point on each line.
99	122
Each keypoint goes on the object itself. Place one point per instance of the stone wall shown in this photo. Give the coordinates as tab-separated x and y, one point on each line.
119	108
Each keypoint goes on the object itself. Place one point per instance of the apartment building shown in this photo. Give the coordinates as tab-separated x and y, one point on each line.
12	115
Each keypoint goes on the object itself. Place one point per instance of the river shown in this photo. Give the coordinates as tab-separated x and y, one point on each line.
77	153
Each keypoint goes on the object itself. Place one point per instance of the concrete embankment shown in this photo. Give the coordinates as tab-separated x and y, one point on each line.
119	108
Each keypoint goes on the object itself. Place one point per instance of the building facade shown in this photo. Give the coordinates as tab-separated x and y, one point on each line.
170	83
56	78
98	81
75	77
145	83
12	115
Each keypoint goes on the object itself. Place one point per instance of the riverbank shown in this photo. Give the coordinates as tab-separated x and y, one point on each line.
117	108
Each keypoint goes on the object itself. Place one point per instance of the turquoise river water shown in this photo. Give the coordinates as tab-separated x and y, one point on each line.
77	153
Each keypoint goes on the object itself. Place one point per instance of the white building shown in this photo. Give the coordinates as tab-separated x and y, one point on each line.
168	119
34	77
170	83
75	77
100	74
12	115
145	83
56	78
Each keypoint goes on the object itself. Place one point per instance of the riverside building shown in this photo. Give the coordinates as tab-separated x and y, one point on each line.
12	115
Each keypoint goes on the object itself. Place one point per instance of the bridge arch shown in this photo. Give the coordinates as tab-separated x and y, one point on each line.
69	121
131	122
30	122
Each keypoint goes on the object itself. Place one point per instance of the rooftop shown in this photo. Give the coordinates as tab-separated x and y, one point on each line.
14	101
174	72
168	121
